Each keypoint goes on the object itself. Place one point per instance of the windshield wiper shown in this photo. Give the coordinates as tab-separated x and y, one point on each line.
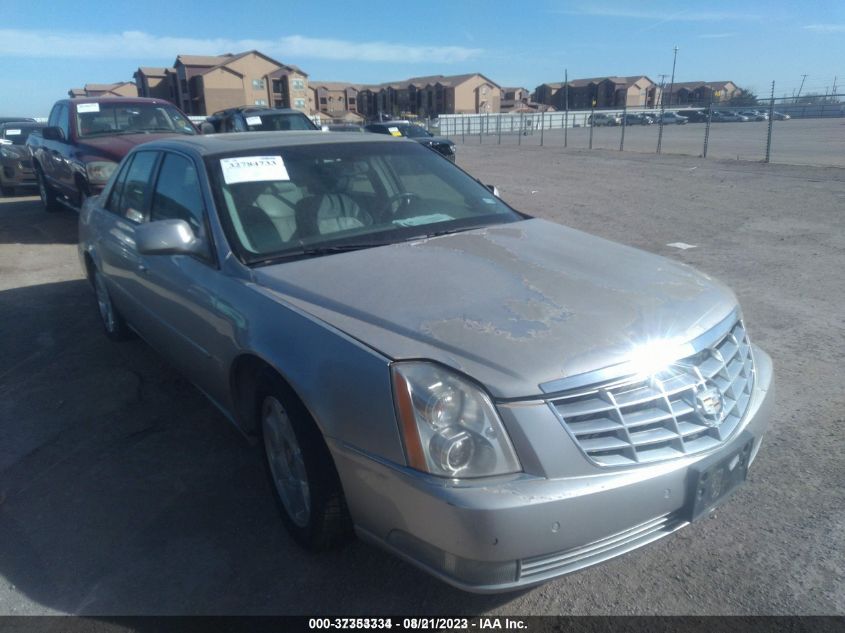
318	251
423	236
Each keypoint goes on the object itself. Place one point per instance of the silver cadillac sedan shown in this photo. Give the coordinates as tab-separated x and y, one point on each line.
495	398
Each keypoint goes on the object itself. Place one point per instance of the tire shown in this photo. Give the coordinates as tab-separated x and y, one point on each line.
48	196
302	475
7	192
113	322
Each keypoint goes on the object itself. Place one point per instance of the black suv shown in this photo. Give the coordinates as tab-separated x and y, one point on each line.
694	116
252	119
422	136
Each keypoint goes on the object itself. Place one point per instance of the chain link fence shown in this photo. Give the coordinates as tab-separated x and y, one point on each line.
782	130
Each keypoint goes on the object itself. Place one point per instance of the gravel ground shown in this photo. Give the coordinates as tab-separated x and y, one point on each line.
797	141
122	491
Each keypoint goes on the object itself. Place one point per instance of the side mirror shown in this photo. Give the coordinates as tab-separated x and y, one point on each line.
207	128
494	190
52	133
168	237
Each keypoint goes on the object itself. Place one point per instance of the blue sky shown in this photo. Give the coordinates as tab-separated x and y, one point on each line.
50	46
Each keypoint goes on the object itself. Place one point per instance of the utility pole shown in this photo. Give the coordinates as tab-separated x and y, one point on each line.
834	85
803	77
662	112
672	81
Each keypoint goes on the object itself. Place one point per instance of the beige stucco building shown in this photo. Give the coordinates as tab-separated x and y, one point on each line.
118	89
601	92
204	84
702	92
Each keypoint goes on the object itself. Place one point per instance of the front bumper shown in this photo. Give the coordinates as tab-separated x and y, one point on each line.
15	173
522	530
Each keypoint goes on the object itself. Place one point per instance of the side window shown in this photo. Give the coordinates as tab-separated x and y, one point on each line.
64	121
53	121
113	204
137	184
178	195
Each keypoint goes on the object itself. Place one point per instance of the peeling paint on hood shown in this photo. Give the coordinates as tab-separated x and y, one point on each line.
512	306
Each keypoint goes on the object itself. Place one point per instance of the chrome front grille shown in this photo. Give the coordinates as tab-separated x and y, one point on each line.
540	567
670	414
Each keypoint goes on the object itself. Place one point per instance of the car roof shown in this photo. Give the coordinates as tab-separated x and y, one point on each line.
212	144
257	110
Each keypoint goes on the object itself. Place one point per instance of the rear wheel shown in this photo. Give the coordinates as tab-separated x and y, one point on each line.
306	484
48	196
113	322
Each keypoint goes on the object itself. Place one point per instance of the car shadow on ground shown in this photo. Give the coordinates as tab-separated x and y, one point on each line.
123	491
23	220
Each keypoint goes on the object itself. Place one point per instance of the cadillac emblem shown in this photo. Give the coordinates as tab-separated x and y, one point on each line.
710	405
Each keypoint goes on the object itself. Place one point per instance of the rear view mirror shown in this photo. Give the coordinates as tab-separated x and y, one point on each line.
168	237
52	133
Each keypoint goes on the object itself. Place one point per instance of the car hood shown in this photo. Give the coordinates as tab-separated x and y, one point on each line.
116	147
438	140
513	306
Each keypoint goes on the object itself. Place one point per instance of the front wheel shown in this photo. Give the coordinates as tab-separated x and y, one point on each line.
48	196
307	487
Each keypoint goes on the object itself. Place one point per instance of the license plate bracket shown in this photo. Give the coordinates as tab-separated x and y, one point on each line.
714	479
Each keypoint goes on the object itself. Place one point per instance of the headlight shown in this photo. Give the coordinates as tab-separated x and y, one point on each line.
449	426
99	171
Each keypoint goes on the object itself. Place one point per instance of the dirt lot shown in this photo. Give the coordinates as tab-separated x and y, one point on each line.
123	491
797	141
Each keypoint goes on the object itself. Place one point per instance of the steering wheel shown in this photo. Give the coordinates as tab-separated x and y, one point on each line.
401	201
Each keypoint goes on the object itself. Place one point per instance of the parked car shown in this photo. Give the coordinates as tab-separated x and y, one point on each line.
439	144
780	116
496	398
755	115
723	116
694	116
345	127
255	119
85	139
637	118
672	118
15	161
14	119
600	119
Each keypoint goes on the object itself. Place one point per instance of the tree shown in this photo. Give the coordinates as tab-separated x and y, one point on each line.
743	97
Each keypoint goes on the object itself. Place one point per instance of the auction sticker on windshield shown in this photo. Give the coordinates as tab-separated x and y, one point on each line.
13	132
82	108
253	169
253	120
394	131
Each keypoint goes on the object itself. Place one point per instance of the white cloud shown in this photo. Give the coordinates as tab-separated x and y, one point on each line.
826	28
144	46
665	16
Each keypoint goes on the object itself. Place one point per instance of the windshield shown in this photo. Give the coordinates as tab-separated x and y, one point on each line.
278	122
308	200
110	118
17	133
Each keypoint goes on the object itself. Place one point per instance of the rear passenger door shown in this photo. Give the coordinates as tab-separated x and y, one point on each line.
115	226
182	290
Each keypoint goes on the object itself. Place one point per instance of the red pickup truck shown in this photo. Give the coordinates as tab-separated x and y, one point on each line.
85	139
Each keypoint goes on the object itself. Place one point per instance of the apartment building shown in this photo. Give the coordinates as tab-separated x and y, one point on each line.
118	89
601	92
204	84
336	100
430	96
702	92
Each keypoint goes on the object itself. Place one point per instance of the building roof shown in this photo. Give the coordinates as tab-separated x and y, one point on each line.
203	60
332	85
580	83
151	71
106	87
692	85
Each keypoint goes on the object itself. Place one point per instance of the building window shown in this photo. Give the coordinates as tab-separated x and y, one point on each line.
278	103
351	100
298	84
277	86
258	84
261	102
299	103
322	101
